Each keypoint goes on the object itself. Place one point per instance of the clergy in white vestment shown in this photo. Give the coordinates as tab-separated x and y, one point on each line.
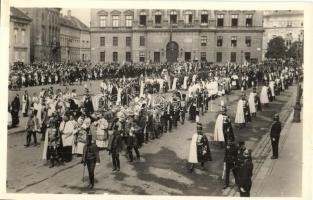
240	115
67	131
264	95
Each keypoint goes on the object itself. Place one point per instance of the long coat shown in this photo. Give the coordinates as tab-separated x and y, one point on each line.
245	174
115	143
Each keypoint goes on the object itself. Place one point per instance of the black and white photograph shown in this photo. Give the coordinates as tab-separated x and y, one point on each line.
143	100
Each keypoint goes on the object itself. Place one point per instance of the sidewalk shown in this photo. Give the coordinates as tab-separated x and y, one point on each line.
282	177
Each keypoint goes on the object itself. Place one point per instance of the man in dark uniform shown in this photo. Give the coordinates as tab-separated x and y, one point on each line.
275	134
245	174
239	158
90	158
115	147
227	128
229	161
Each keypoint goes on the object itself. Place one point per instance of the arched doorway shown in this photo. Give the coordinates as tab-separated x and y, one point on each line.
172	52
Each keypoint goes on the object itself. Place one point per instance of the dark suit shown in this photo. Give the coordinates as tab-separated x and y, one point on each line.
275	134
90	157
115	147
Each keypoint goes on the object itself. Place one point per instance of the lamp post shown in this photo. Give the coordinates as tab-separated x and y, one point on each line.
297	107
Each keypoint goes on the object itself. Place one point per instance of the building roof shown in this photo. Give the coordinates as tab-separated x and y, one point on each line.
277	13
73	22
17	13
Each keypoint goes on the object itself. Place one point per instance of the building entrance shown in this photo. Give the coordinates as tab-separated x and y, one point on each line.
171	52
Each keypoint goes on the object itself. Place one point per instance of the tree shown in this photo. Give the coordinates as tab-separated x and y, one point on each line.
276	48
295	51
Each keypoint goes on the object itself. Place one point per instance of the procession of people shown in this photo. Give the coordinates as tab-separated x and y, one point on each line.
136	103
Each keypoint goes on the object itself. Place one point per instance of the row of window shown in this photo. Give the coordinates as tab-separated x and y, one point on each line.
203	56
203	41
19	36
173	19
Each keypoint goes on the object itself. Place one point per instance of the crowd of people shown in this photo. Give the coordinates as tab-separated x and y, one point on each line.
137	103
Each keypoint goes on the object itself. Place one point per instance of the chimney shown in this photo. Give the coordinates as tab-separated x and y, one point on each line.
69	13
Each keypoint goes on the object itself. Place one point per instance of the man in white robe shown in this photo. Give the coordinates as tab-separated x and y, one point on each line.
264	95
251	101
240	115
67	130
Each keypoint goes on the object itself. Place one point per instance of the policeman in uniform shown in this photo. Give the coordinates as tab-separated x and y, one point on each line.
229	161
275	134
90	158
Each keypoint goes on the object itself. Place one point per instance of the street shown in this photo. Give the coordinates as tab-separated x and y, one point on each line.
162	168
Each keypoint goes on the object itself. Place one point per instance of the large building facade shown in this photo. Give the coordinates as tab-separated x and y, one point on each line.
285	23
74	39
19	49
170	35
44	34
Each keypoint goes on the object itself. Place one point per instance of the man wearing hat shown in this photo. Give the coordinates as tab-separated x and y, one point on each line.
115	147
275	134
90	158
199	149
230	161
245	174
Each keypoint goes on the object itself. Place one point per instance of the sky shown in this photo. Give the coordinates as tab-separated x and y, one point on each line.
82	14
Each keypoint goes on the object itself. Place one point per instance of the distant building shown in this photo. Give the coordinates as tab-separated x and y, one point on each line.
19	36
216	36
44	34
74	39
285	23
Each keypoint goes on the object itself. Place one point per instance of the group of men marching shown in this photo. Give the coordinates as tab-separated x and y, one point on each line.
116	120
